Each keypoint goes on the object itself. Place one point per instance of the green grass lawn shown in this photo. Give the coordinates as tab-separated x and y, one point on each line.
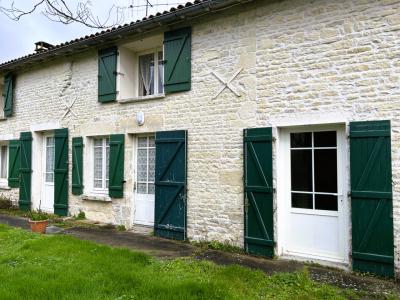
62	267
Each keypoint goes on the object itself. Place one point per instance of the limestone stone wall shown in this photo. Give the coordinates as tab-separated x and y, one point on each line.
299	61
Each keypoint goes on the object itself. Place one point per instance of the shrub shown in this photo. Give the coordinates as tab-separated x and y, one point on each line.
5	203
38	215
81	216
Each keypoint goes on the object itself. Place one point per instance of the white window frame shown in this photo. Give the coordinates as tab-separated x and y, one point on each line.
4	181
2	98
153	51
89	170
147	182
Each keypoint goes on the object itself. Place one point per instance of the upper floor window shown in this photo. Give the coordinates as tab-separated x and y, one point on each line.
151	73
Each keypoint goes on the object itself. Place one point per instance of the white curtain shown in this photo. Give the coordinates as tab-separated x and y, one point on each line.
146	66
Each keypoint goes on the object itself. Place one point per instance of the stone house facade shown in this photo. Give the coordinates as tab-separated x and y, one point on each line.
280	137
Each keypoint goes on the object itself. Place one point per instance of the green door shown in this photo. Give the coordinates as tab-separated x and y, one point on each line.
258	192
61	172
25	170
371	197
170	185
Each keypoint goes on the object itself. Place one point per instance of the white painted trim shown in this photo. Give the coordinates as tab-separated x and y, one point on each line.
141	98
6	137
282	175
45	126
310	119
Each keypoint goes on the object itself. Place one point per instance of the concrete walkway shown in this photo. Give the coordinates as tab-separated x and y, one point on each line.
168	249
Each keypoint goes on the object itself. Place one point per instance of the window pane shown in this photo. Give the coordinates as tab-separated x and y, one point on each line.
325	170
152	142
98	184
142	142
50	159
142	165
141	188
326	202
97	165
301	170
160	73
325	139
302	200
146	74
152	154
300	140
98	142
151	188
107	160
4	163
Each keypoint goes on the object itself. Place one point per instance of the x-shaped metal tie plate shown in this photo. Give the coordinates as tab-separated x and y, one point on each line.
227	83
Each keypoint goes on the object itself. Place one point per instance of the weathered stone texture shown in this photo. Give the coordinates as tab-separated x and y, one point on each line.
298	58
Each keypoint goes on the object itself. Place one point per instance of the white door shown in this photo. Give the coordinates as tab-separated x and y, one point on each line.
314	198
47	200
144	187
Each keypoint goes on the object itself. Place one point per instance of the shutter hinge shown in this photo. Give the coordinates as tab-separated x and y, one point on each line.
349	194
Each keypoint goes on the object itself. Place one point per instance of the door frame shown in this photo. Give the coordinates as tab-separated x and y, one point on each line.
282	203
43	162
134	176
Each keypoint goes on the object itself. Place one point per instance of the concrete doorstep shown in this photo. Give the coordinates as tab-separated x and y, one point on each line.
169	249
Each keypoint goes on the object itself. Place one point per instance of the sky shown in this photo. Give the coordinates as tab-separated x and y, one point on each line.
18	37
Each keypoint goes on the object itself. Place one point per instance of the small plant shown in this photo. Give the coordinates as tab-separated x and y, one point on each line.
5	203
37	215
80	216
121	228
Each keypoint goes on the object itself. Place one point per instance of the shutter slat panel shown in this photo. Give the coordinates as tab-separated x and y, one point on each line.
170	184
107	78
177	55
8	95
25	170
13	163
371	197
61	172
259	227
116	180
77	165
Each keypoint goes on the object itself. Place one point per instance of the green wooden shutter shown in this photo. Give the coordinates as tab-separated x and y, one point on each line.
170	185
107	84
13	163
25	170
177	63
8	95
371	197
61	172
258	192
116	179
77	165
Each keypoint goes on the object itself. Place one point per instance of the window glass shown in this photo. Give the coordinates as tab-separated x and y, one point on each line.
325	139
50	159
145	168
326	202
325	170
4	162
160	72
101	162
301	170
146	74
302	200
313	164
300	140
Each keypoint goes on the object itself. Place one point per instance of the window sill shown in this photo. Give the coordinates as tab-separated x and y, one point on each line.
4	187
141	98
3	119
99	198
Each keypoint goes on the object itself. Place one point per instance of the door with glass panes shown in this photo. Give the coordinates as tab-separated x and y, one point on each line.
315	223
144	186
47	199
